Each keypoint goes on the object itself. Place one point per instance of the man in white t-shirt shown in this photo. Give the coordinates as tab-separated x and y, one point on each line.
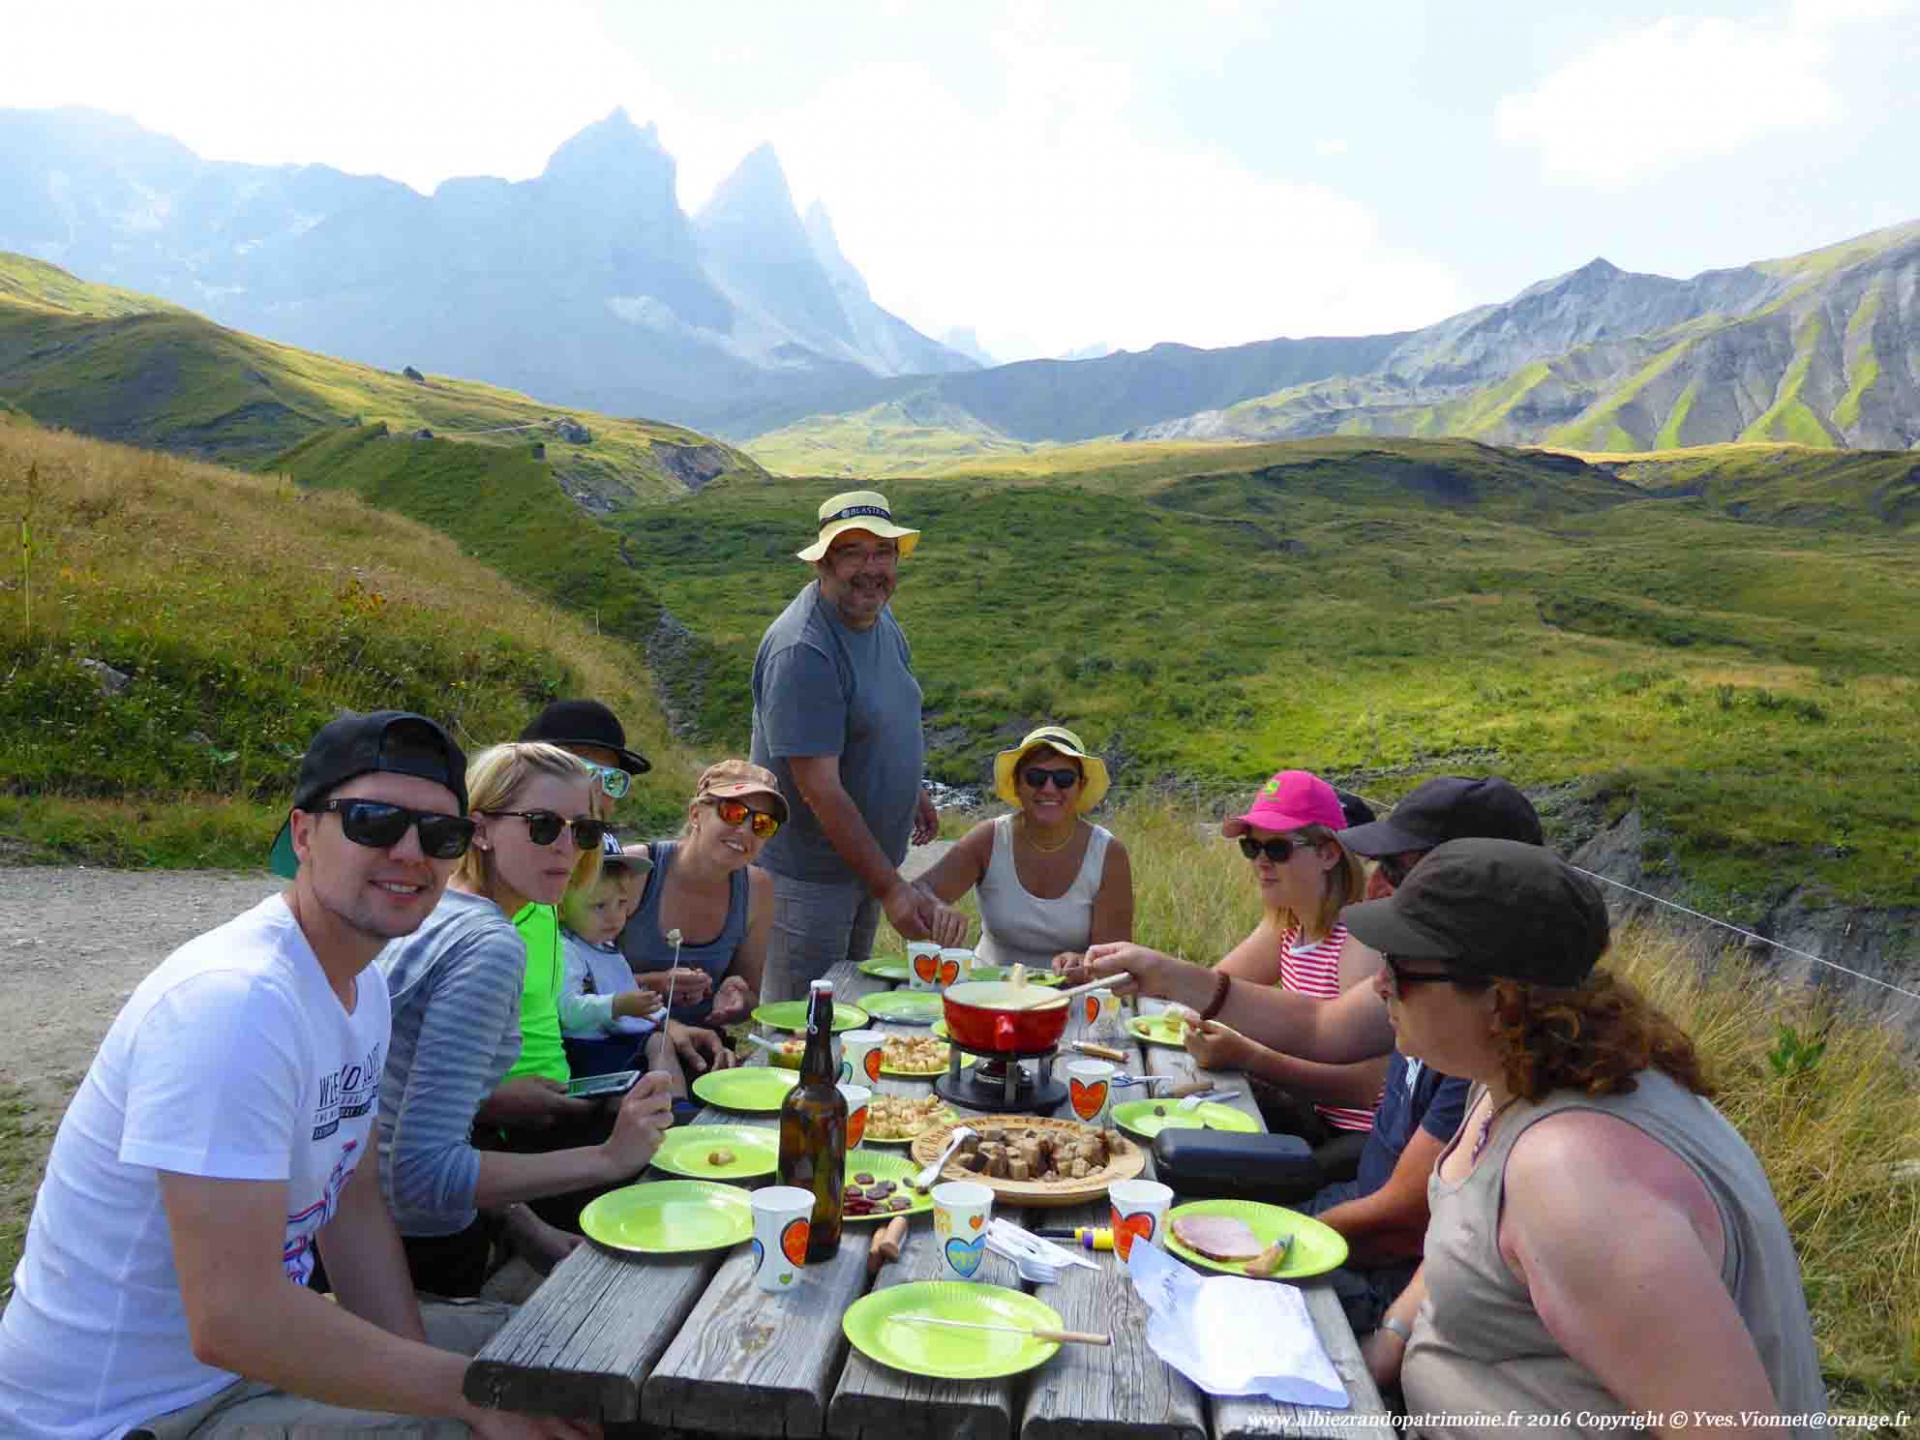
219	1136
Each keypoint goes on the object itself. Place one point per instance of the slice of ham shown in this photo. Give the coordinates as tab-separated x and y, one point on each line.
1218	1237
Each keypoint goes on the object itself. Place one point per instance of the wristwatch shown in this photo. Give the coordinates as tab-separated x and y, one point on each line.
1395	1326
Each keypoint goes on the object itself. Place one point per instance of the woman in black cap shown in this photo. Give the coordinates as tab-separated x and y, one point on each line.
1602	1241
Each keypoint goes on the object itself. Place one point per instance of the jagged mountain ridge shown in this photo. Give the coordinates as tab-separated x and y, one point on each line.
587	283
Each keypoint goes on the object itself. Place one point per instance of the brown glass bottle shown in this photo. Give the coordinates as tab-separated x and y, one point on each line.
813	1127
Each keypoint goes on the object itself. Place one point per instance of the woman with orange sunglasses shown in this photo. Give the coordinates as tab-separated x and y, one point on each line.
706	886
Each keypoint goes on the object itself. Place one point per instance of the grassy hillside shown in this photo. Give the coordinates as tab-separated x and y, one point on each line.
1783	484
900	437
245	612
1383	611
122	367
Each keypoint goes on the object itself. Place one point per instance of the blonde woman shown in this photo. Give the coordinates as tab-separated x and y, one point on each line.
1051	882
1305	877
455	986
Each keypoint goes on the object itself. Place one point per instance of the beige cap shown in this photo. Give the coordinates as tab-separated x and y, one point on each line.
733	779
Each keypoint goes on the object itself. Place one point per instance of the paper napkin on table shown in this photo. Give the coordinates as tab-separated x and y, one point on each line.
1006	1238
1234	1336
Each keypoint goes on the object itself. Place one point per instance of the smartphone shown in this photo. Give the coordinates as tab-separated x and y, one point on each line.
617	1083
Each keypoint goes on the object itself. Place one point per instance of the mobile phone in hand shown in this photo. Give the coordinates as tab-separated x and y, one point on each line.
617	1083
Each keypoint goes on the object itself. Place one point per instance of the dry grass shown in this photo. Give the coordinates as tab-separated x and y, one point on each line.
1829	1137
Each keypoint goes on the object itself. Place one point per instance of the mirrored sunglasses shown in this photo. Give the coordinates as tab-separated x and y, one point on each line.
614	781
735	812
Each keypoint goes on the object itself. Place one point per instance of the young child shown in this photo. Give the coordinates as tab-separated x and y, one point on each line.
604	1015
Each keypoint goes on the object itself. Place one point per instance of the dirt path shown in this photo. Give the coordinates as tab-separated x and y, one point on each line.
74	943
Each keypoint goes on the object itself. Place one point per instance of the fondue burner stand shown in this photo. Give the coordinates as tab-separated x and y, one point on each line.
1002	1082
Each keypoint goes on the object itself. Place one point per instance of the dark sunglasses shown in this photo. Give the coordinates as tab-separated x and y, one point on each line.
1394	869
735	812
1278	851
381	826
1402	978
544	827
1037	776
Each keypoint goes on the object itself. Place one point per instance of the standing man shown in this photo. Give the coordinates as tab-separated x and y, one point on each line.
836	717
225	1128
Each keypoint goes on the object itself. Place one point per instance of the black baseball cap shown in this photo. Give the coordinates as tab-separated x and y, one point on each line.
1450	807
1496	909
585	722
396	742
1357	811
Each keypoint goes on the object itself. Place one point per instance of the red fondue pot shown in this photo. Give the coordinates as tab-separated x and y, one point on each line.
979	1018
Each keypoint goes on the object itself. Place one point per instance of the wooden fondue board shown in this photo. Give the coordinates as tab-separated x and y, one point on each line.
1125	1160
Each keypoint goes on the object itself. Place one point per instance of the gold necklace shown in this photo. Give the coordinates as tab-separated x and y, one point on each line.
1027	830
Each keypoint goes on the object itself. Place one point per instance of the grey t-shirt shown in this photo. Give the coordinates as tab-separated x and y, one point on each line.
822	689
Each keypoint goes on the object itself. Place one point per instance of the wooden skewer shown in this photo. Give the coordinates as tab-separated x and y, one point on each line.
1063	1337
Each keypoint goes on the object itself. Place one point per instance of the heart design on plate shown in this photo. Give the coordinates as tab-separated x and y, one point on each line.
793	1240
949	971
1087	1099
856	1127
965	1255
1127	1227
926	966
872	1063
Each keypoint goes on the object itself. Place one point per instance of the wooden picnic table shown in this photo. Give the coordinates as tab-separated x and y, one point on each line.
688	1344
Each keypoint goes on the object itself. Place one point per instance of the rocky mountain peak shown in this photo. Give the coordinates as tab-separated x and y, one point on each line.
755	201
612	151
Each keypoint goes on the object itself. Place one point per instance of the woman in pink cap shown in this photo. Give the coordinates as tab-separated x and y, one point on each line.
1306	877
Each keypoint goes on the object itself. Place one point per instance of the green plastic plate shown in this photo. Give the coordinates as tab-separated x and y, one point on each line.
1316	1248
884	969
669	1217
883	1166
792	1015
999	972
940	1029
934	1350
1137	1118
684	1151
756	1089
905	1007
1158	1030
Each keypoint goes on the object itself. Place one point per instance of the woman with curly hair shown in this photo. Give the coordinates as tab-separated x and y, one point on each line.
1602	1240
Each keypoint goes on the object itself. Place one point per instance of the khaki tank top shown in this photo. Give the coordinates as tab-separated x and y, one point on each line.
1478	1346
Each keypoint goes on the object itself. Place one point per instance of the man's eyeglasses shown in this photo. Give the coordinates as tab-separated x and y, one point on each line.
614	781
735	812
1394	869
1037	777
544	827
380	826
1403	977
1279	851
860	556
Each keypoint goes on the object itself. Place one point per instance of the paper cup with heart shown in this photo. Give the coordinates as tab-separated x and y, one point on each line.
961	1209
856	1097
782	1222
1090	1092
860	1055
923	965
956	964
1099	1010
1139	1213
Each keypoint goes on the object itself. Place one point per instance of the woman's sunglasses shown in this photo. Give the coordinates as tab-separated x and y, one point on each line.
380	826
1037	776
544	827
1402	978
614	782
1278	851
735	812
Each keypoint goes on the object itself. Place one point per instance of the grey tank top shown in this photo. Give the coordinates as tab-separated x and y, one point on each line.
1479	1347
1017	925
647	948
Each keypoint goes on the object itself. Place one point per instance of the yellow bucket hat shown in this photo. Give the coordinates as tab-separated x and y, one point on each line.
859	510
1093	770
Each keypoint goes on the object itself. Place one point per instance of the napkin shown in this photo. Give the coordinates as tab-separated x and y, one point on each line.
1006	1238
1234	1336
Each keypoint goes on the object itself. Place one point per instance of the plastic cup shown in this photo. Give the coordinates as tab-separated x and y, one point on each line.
856	1097
1090	1092
961	1209
782	1223
1139	1211
956	964
860	1055
923	965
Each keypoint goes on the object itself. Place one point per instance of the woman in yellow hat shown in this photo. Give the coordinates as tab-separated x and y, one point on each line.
1051	882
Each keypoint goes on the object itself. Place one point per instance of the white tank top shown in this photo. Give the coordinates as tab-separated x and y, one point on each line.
1017	927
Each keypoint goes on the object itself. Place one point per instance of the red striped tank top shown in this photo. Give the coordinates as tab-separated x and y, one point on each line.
1312	968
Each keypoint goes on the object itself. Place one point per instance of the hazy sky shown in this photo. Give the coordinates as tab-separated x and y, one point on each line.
1062	175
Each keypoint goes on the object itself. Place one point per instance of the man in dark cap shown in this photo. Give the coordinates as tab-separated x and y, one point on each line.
226	1126
590	730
